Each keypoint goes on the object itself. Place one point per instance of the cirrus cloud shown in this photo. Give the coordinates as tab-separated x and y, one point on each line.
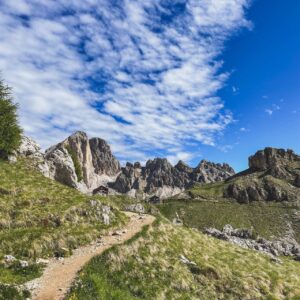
141	74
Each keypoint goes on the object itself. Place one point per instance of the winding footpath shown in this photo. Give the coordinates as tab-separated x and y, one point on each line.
59	274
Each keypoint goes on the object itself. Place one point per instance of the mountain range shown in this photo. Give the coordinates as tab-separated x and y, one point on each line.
88	164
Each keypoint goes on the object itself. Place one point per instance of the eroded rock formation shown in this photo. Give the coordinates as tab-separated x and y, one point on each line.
88	164
273	175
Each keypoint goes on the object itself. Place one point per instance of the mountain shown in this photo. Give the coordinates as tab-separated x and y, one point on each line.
89	166
273	175
82	163
78	161
160	178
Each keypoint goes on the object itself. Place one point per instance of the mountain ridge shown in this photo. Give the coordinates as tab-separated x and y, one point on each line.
88	164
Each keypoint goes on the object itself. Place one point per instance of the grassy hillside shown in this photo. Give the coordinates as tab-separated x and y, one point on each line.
270	220
149	267
42	218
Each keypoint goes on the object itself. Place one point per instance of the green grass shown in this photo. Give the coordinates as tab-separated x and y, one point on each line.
10	292
269	220
77	166
148	267
41	218
208	191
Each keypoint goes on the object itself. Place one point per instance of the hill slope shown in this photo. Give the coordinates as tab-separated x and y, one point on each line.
169	262
41	218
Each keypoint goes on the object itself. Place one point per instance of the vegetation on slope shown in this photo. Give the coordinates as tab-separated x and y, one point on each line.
149	267
41	218
77	166
269	220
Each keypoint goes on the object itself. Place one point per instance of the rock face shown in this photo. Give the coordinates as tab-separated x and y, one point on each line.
103	160
29	148
77	161
82	163
273	175
160	178
246	239
271	158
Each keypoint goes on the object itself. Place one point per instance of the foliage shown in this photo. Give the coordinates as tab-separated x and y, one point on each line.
12	293
10	131
77	166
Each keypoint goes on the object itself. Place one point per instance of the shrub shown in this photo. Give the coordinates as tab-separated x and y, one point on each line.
10	131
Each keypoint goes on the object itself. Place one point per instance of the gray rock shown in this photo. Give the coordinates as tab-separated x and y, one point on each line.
137	208
93	156
106	218
103	160
272	158
23	263
9	258
160	178
186	261
245	239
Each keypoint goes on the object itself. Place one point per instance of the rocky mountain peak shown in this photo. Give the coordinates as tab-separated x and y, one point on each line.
270	158
158	177
273	175
81	162
158	164
104	161
183	167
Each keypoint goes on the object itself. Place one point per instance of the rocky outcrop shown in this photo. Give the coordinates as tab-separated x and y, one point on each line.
272	158
208	172
29	148
77	161
245	238
273	175
82	163
103	160
158	177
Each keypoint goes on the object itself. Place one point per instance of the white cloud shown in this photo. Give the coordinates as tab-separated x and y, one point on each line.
273	109
126	72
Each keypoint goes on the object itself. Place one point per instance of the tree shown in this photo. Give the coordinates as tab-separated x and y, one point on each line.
10	131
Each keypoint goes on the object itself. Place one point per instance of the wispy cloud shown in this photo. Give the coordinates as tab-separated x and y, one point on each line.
141	74
272	109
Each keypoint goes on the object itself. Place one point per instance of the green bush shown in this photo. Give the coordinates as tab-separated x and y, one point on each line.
10	131
76	163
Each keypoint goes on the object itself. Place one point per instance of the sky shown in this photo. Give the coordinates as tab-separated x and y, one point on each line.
182	79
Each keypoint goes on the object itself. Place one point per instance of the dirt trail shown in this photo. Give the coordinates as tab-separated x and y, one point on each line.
59	275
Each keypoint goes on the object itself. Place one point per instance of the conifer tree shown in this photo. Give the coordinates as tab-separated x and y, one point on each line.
10	131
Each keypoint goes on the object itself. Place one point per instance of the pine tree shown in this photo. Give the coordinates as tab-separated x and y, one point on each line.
10	131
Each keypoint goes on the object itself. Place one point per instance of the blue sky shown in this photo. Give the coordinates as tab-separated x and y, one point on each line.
266	73
182	79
